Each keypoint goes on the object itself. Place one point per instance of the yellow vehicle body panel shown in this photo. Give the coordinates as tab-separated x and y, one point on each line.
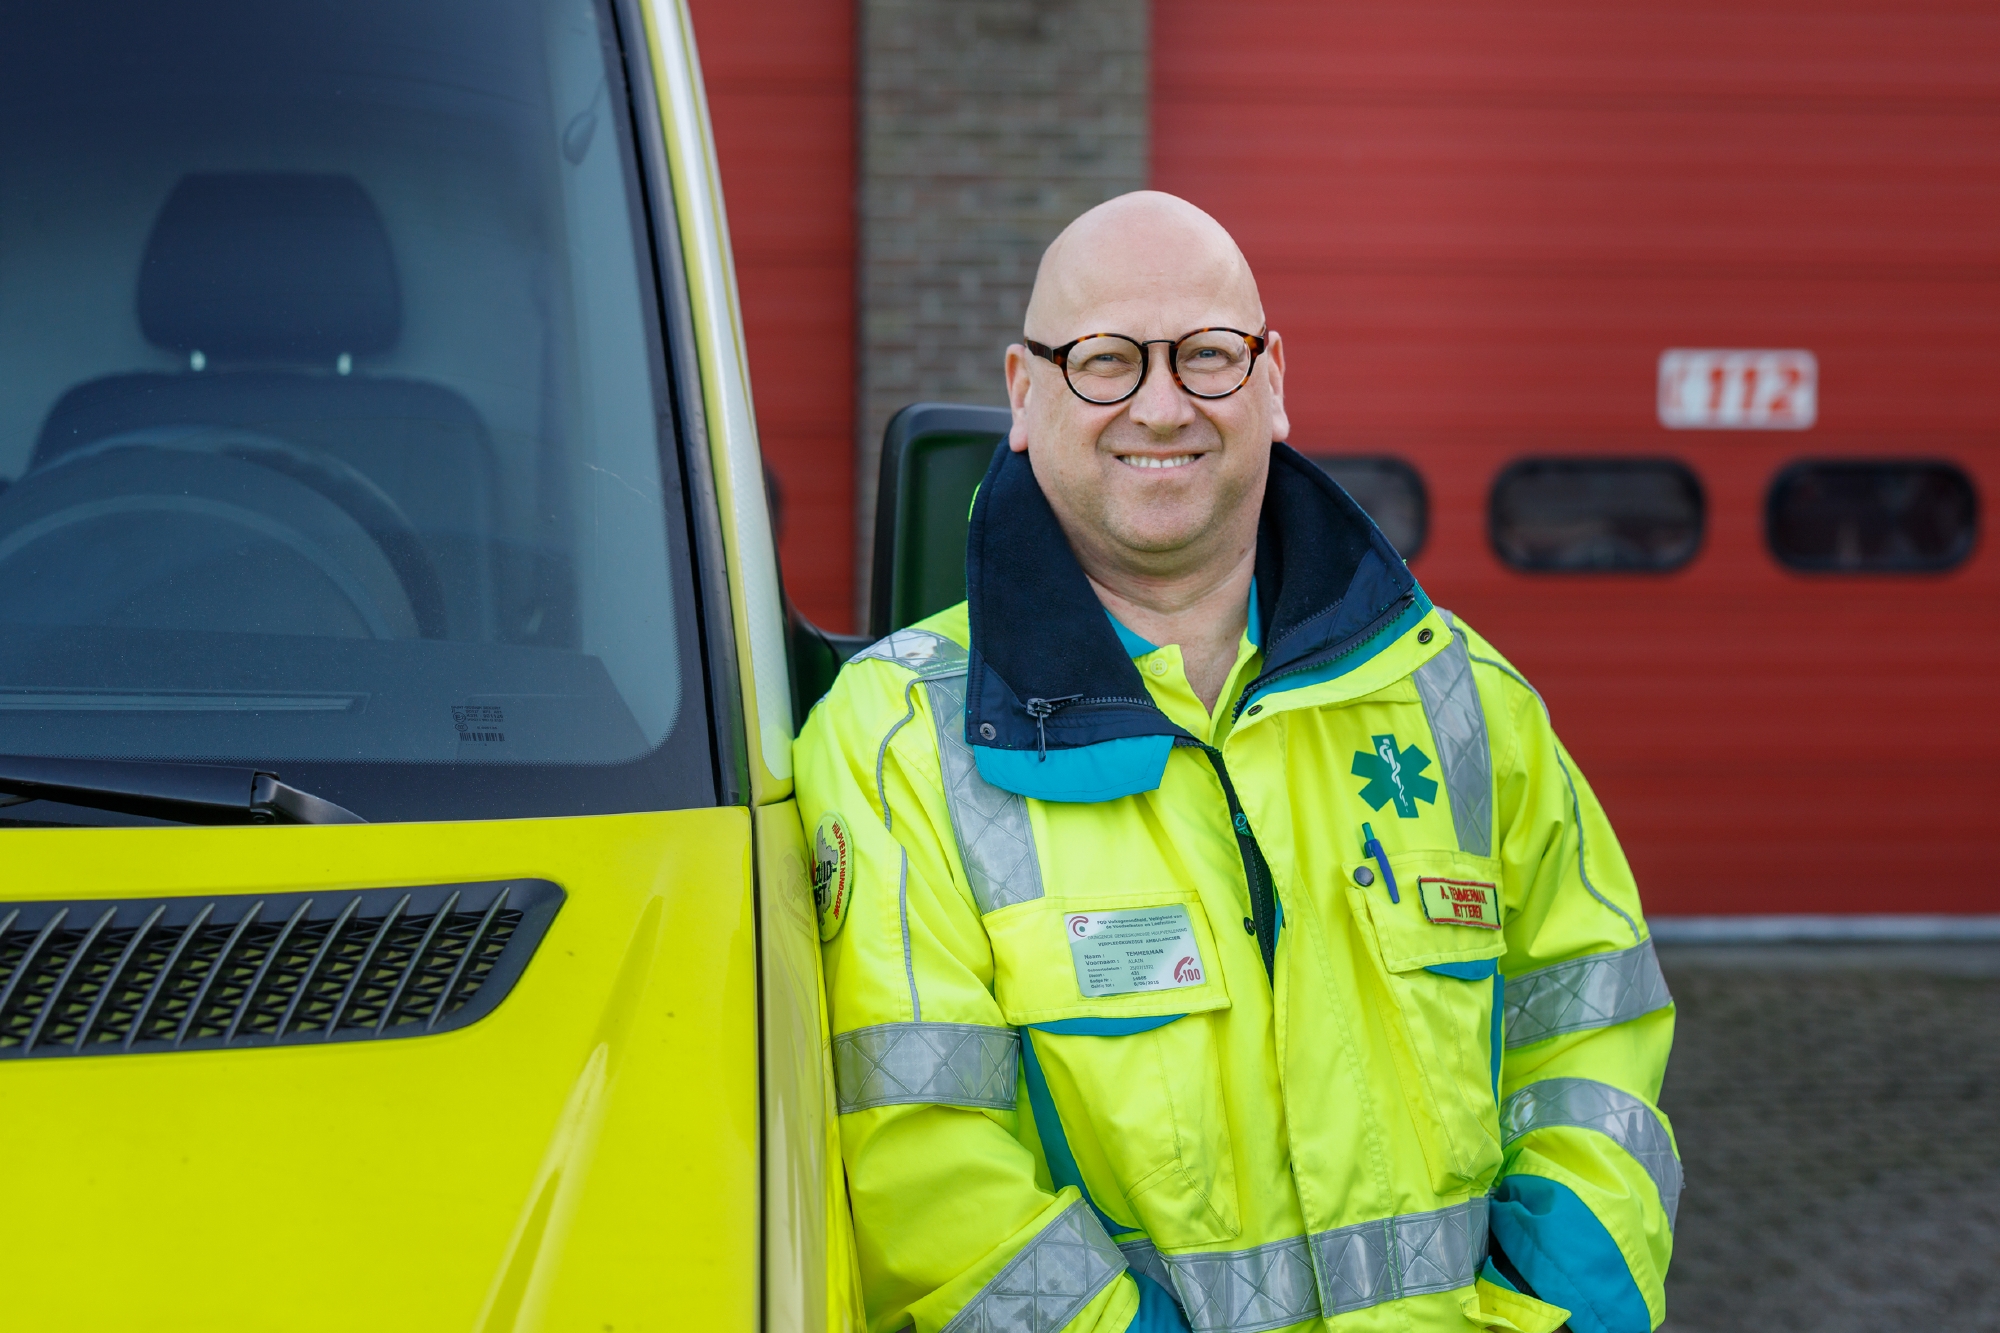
585	1157
811	1271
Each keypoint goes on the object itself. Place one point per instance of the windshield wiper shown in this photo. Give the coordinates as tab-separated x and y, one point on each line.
188	793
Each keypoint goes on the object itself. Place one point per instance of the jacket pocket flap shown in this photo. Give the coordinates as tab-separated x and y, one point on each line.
1449	913
1130	957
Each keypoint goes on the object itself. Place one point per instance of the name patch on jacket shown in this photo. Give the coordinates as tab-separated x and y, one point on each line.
1138	949
1460	902
832	873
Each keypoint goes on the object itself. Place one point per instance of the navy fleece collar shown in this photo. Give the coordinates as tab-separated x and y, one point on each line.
1055	707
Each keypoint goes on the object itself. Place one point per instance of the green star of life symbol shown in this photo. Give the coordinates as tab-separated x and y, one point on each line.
1395	774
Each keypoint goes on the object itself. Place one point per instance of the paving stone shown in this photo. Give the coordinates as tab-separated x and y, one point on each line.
1838	1113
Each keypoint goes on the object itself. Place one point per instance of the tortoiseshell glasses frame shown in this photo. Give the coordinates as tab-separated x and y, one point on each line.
1253	343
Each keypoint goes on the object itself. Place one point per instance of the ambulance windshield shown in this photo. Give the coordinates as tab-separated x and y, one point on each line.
334	429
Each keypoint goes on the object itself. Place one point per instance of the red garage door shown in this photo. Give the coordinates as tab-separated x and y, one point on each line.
1479	228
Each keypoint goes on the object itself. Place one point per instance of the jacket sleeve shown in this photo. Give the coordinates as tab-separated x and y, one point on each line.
1584	1207
956	1223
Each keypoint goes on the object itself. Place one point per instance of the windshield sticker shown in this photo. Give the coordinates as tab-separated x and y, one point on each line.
1460	902
1395	773
478	723
1140	949
832	874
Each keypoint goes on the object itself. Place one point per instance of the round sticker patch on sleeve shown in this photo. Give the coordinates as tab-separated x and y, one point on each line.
832	873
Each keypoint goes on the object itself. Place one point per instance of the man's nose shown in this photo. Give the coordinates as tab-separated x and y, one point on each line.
1160	405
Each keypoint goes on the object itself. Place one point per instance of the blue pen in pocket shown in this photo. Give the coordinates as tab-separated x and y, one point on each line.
1371	846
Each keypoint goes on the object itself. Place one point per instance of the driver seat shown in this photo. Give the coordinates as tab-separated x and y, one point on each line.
273	285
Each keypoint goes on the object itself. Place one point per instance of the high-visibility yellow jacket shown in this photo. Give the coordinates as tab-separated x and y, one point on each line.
1277	1017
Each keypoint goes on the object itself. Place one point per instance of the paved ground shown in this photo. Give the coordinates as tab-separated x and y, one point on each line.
1838	1111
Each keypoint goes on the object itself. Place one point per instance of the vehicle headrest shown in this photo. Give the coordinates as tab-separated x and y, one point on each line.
269	265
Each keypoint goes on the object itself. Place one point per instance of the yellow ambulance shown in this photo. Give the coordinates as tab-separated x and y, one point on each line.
404	921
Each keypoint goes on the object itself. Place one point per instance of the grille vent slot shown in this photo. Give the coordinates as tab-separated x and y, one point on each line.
112	976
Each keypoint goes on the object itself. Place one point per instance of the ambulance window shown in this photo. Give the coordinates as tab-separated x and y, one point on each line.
1588	515
335	433
1871	516
1390	490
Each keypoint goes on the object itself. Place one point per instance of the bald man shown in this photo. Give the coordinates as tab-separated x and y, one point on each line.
1217	936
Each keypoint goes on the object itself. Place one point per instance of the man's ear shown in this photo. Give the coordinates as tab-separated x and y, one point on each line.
1018	362
1274	379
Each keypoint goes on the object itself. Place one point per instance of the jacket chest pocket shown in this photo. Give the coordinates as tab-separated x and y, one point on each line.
1439	949
1130	1081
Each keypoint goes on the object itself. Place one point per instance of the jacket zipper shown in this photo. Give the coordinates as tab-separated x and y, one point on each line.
1257	873
1043	709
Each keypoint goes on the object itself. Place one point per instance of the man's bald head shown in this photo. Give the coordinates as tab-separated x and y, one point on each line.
1133	251
1160	484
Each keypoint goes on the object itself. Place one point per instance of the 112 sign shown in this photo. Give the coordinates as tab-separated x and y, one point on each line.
1738	390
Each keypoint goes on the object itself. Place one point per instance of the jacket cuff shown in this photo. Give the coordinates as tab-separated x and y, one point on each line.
1566	1255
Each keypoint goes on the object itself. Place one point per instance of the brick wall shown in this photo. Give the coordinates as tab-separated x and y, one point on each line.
986	125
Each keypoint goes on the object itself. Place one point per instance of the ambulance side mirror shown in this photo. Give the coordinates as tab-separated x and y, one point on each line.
933	457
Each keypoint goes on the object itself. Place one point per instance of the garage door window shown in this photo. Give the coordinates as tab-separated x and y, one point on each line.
1392	493
1871	516
1562	515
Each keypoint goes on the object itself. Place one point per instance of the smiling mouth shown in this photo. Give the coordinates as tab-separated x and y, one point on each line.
1156	461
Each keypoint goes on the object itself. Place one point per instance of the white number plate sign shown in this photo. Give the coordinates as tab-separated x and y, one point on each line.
1738	390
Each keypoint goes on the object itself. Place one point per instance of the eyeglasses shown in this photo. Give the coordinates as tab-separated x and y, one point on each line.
1106	368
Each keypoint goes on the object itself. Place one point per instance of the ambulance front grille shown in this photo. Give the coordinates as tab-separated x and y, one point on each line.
112	976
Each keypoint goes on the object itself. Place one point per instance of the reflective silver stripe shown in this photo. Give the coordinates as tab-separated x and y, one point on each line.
903	913
1332	1272
928	655
1240	1291
1612	1112
1042	1288
1144	1256
1458	725
1592	992
946	1064
1401	1256
920	650
991	825
994	840
882	753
